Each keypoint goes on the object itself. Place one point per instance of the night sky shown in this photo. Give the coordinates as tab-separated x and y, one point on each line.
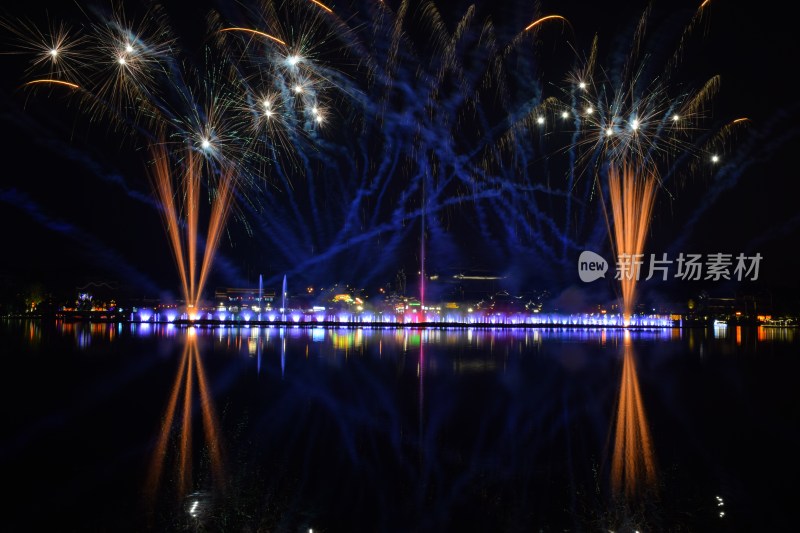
76	206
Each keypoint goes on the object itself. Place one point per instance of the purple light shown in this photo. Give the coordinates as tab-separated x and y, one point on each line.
412	317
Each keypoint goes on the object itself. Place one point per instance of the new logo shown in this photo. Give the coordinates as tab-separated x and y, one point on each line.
591	266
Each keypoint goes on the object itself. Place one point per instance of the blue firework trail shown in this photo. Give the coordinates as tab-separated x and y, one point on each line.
336	121
78	237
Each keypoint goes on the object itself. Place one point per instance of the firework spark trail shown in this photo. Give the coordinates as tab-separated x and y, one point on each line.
255	32
193	275
219	214
632	194
51	81
161	176
56	52
139	60
632	126
407	89
90	162
125	88
162	198
191	181
522	202
395	227
296	65
444	150
748	153
541	20
434	139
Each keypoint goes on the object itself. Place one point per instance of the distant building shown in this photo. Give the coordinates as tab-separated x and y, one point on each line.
717	306
463	286
504	303
740	305
236	299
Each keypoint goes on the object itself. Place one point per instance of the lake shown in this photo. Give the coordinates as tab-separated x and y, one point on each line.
142	427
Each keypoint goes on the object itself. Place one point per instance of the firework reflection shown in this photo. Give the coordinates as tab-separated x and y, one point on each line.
178	418
633	465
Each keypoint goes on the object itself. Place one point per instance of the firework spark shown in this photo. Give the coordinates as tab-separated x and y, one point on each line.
539	21
256	32
330	125
193	275
632	193
54	82
57	51
323	6
239	114
635	127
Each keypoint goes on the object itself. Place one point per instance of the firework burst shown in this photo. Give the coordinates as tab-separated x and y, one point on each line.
343	127
225	123
57	52
631	127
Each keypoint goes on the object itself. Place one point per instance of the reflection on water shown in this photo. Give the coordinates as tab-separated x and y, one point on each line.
178	419
386	429
87	332
772	333
348	341
633	462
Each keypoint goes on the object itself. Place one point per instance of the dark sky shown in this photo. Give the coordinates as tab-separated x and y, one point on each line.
75	205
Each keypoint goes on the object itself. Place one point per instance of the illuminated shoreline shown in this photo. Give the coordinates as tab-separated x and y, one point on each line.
493	322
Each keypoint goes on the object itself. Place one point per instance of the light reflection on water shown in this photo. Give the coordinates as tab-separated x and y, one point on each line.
178	418
421	422
633	457
348	339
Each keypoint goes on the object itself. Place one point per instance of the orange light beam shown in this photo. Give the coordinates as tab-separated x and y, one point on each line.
185	472
323	6
210	422
160	453
216	223
743	119
632	197
161	176
54	82
192	182
633	457
544	19
256	32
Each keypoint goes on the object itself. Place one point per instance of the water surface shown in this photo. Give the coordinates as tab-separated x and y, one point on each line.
112	427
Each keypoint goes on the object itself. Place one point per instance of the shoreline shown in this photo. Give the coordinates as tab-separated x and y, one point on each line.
328	324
